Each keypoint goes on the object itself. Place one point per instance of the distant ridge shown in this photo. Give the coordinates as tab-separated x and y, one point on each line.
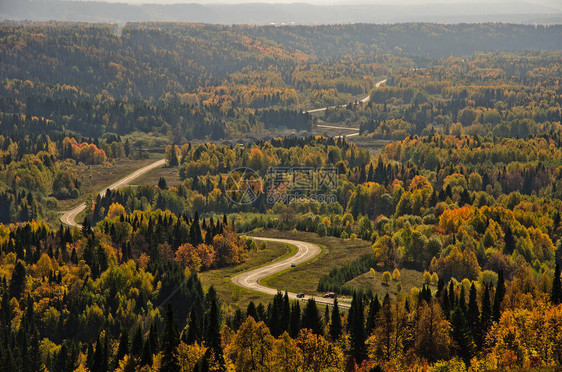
297	13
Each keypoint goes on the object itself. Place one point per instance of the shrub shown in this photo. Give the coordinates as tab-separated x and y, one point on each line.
386	278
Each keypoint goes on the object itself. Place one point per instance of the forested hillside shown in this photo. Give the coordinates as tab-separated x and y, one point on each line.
190	81
454	201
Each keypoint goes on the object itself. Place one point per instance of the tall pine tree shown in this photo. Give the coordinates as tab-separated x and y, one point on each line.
335	324
473	316
498	297
311	318
357	329
556	294
170	341
295	321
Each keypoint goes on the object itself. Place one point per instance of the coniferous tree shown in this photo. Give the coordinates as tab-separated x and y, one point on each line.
252	311
286	313
462	300
335	324
486	317
146	358
356	327
498	297
556	293
35	363
374	308
461	334
60	365
136	344
72	359
473	316
106	353
509	241
28	320
174	161
213	336
99	363
237	320
445	301
295	321
194	328
17	282
274	321
262	313
386	324
452	296
153	339
123	346
558	251
311	318
170	341
89	357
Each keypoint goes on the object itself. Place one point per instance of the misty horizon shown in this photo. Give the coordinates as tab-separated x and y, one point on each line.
546	12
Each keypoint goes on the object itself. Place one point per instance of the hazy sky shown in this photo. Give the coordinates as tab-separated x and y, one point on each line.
555	3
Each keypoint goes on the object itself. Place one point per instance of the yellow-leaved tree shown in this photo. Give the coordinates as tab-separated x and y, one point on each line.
252	347
115	210
189	355
318	354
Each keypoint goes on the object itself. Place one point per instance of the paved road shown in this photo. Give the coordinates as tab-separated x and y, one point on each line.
355	130
69	217
305	252
336	127
363	100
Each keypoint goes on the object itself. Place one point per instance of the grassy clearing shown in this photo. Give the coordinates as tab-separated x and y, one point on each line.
304	278
408	279
95	178
170	174
233	296
374	145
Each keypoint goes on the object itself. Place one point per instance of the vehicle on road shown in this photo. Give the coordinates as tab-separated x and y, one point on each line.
293	264
300	295
329	295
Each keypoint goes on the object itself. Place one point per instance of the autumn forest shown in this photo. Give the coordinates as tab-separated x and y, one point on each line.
398	186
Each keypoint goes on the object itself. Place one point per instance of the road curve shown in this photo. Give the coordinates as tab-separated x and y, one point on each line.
69	217
355	130
363	100
305	252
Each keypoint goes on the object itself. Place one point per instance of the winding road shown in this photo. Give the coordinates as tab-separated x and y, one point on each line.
249	279
69	217
305	252
354	130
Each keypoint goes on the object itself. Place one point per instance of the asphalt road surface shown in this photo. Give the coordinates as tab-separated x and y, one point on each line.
69	217
363	100
305	252
355	130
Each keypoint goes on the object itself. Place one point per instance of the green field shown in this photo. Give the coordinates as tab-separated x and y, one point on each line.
95	178
170	174
304	278
408	279
233	296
